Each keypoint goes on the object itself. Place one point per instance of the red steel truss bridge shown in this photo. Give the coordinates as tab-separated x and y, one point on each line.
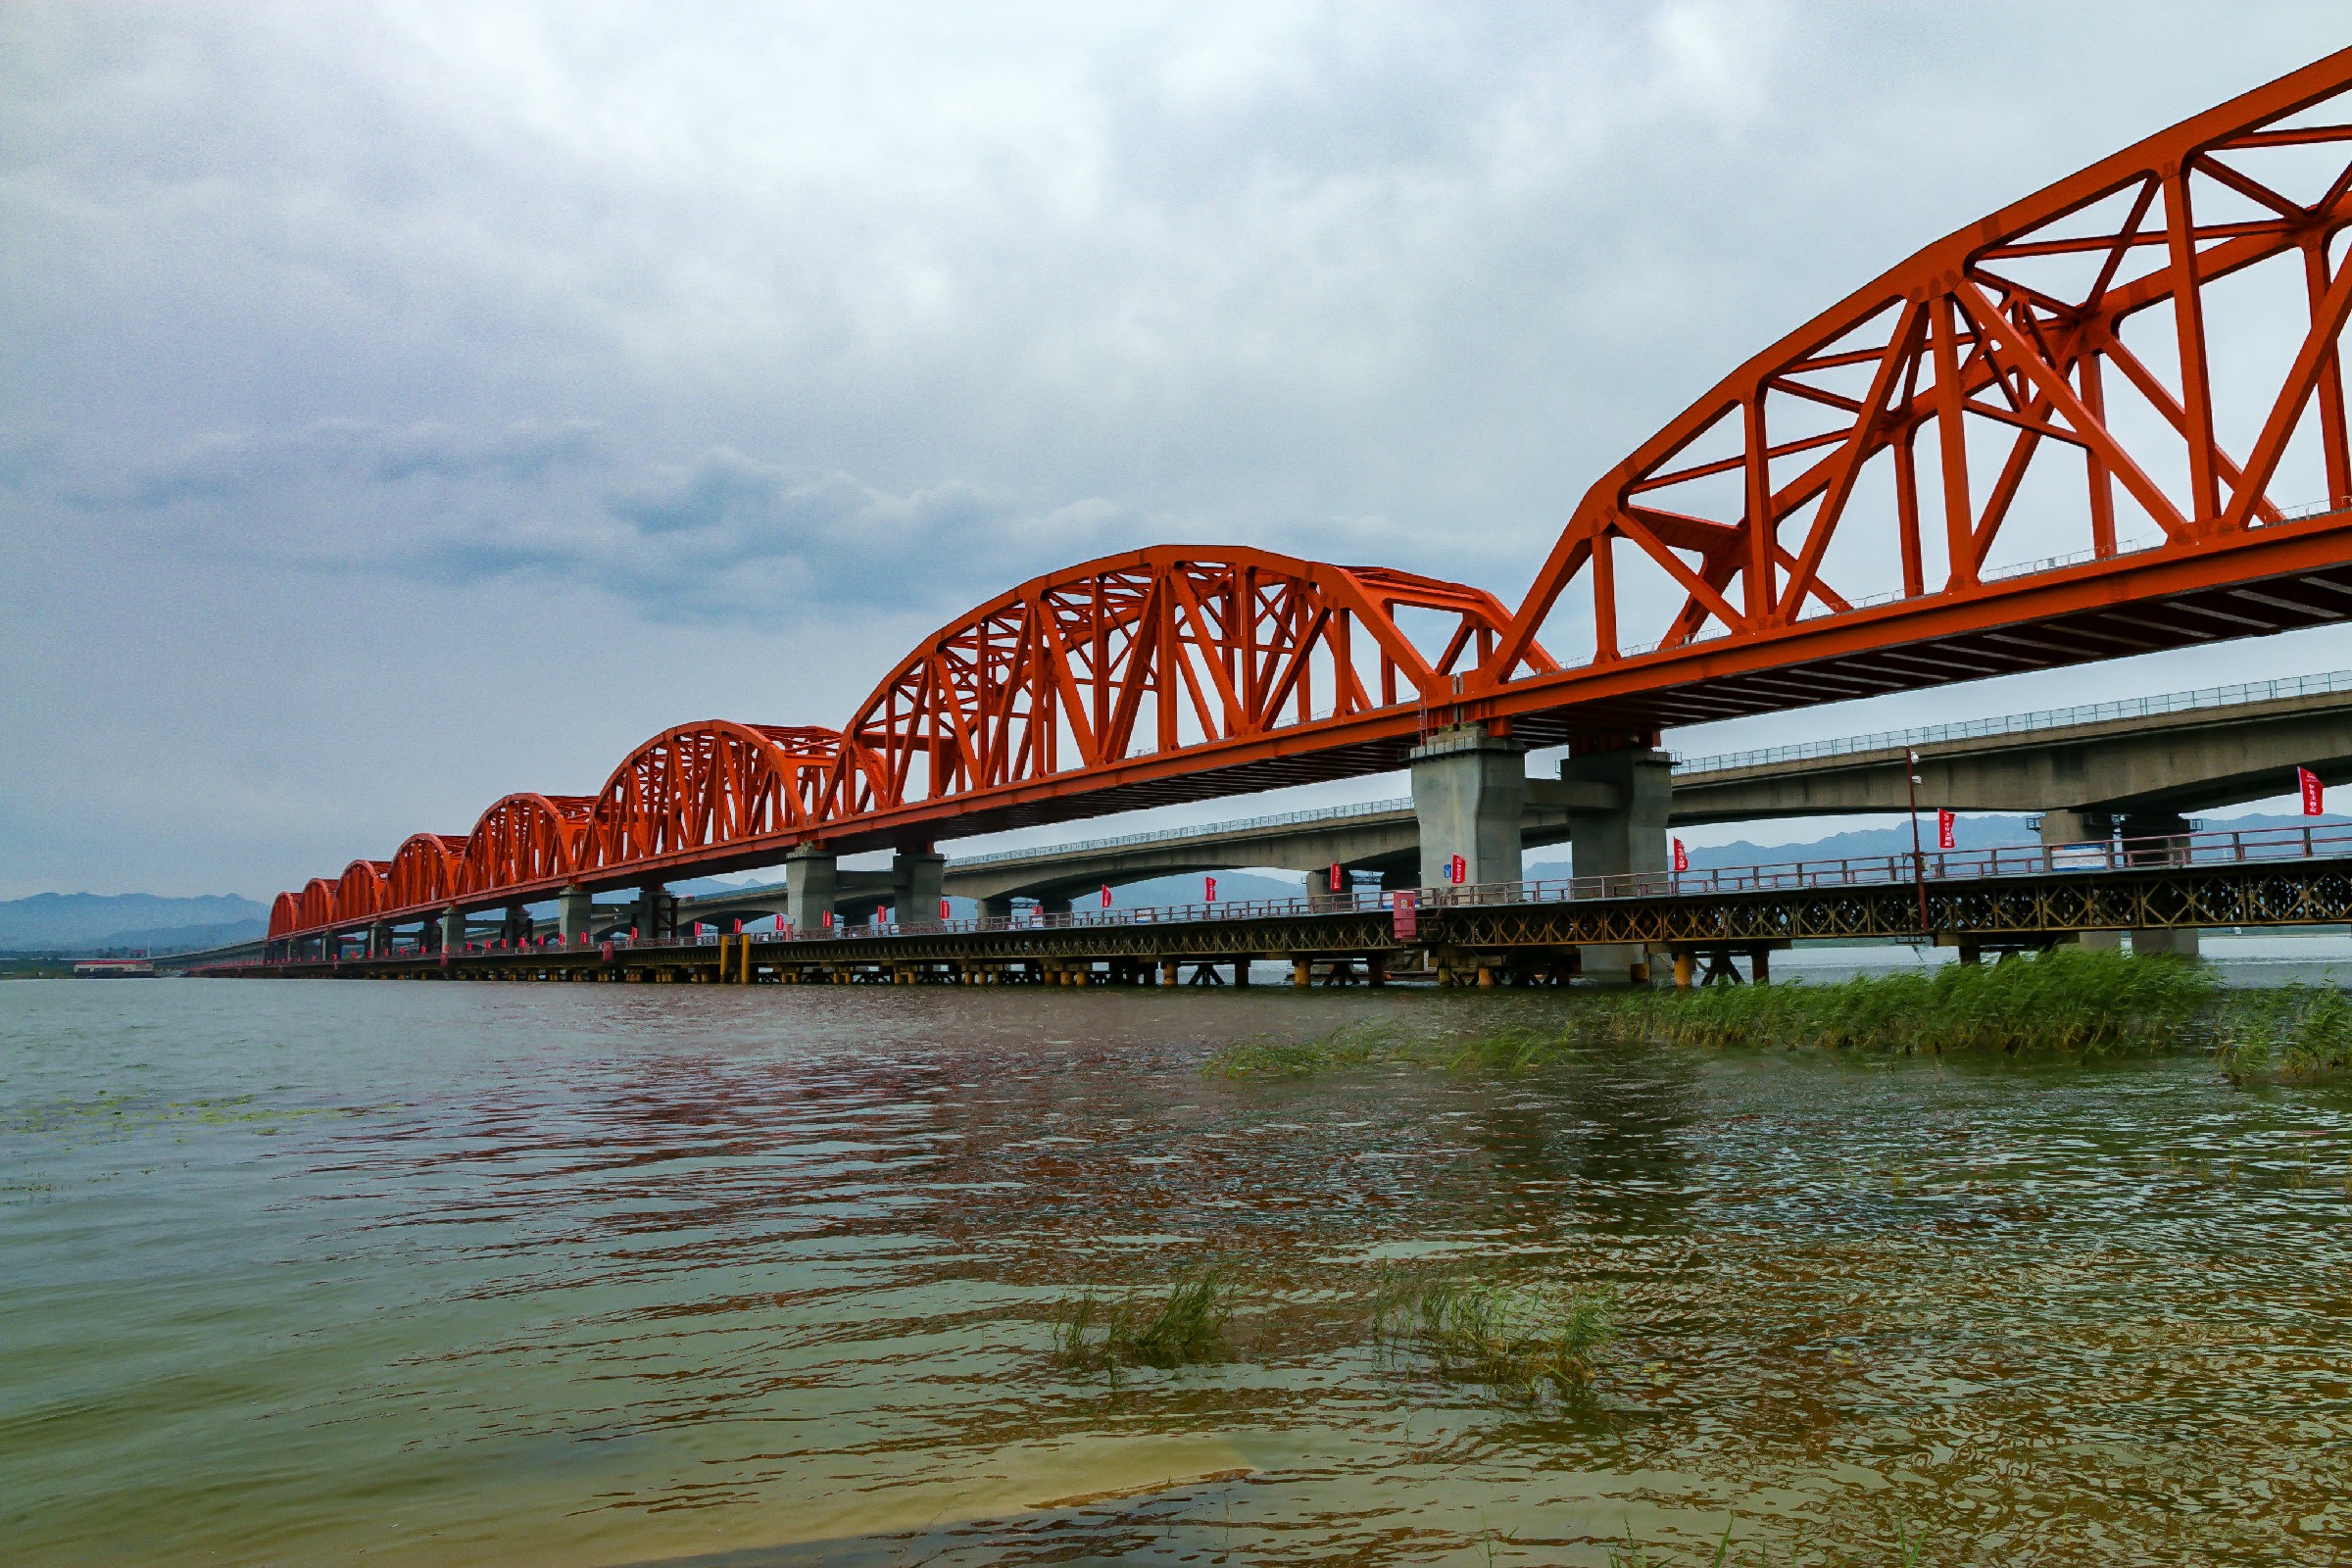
2106	419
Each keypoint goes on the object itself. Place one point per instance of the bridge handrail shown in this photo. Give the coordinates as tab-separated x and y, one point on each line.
2261	691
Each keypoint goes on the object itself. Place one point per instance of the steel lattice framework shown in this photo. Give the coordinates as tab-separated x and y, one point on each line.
2064	346
1835	518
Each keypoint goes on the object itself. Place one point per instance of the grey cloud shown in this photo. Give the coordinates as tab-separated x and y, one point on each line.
729	538
223	465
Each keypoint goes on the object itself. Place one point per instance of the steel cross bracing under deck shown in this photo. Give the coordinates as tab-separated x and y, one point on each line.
2013	451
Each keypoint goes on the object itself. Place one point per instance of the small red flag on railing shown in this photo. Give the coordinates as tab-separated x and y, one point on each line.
2314	803
739	925
942	908
1681	857
1947	836
1106	895
1210	896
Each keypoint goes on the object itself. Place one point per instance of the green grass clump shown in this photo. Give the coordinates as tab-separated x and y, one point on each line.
2290	1035
2069	1000
1191	1324
1349	1045
1516	1340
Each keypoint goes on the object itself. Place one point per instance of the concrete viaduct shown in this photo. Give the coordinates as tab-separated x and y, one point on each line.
2131	768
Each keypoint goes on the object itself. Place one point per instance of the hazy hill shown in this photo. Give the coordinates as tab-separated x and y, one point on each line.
72	922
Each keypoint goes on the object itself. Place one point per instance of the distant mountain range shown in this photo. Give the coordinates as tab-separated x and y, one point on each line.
83	922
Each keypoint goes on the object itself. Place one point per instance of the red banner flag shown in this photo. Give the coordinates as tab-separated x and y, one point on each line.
828	921
1458	869
942	908
1106	895
2308	782
1947	824
739	925
1681	857
1210	896
1338	876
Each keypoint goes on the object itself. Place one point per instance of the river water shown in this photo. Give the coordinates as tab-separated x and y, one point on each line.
325	1272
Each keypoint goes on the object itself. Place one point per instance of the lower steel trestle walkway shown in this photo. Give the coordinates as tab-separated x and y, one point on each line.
1514	932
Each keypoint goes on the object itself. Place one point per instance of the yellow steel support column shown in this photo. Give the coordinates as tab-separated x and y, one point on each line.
1303	971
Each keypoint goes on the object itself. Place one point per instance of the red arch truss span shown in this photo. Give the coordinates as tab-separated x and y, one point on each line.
525	839
2133	370
286	915
425	871
319	903
361	891
702	786
1138	657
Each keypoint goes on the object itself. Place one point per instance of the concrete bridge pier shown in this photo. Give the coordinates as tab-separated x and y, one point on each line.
1627	842
2171	830
811	881
575	915
916	882
655	913
379	938
453	931
996	906
1469	793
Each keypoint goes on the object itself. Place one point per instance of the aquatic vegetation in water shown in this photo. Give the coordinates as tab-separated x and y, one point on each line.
1349	1045
1515	1339
2069	1001
2293	1034
1191	1324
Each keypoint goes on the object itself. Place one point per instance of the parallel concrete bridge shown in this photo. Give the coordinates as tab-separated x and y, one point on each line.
2092	771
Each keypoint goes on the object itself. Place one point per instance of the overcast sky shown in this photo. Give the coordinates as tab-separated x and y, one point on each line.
406	404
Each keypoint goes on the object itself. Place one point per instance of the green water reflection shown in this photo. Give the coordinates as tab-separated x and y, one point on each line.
451	1275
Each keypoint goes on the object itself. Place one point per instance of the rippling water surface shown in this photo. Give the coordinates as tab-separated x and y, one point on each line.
515	1274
